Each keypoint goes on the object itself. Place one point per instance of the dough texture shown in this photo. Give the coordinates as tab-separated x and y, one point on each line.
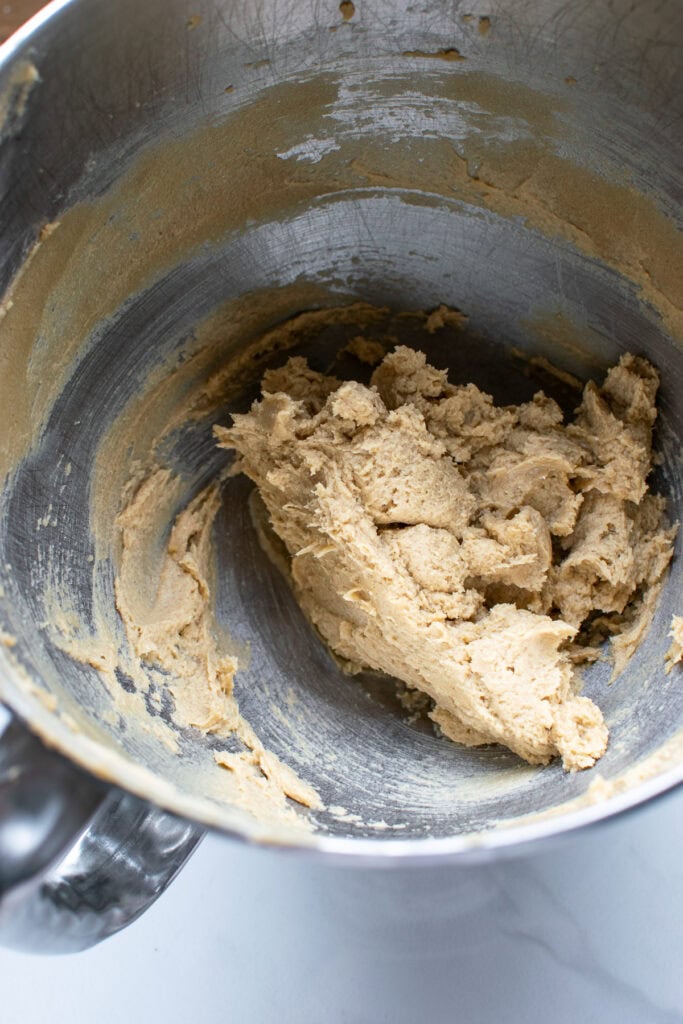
171	630
464	547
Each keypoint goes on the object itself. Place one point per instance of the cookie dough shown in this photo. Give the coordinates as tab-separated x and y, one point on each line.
464	547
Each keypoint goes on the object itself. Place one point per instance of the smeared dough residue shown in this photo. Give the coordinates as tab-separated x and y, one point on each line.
174	632
474	551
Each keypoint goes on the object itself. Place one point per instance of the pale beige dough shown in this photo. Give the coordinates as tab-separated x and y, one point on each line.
175	631
460	546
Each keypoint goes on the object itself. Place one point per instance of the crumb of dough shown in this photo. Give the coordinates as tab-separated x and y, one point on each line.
462	546
443	316
674	656
366	349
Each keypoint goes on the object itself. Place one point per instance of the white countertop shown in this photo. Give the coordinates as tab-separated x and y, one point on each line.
589	929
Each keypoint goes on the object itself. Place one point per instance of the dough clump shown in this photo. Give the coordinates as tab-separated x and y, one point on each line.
461	546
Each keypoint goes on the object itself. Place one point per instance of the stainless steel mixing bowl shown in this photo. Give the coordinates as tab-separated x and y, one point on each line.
215	167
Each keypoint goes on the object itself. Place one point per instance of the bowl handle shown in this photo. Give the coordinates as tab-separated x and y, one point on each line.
79	859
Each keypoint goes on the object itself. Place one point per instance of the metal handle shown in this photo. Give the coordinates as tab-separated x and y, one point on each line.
79	860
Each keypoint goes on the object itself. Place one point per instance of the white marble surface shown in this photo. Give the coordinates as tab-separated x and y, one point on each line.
587	931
